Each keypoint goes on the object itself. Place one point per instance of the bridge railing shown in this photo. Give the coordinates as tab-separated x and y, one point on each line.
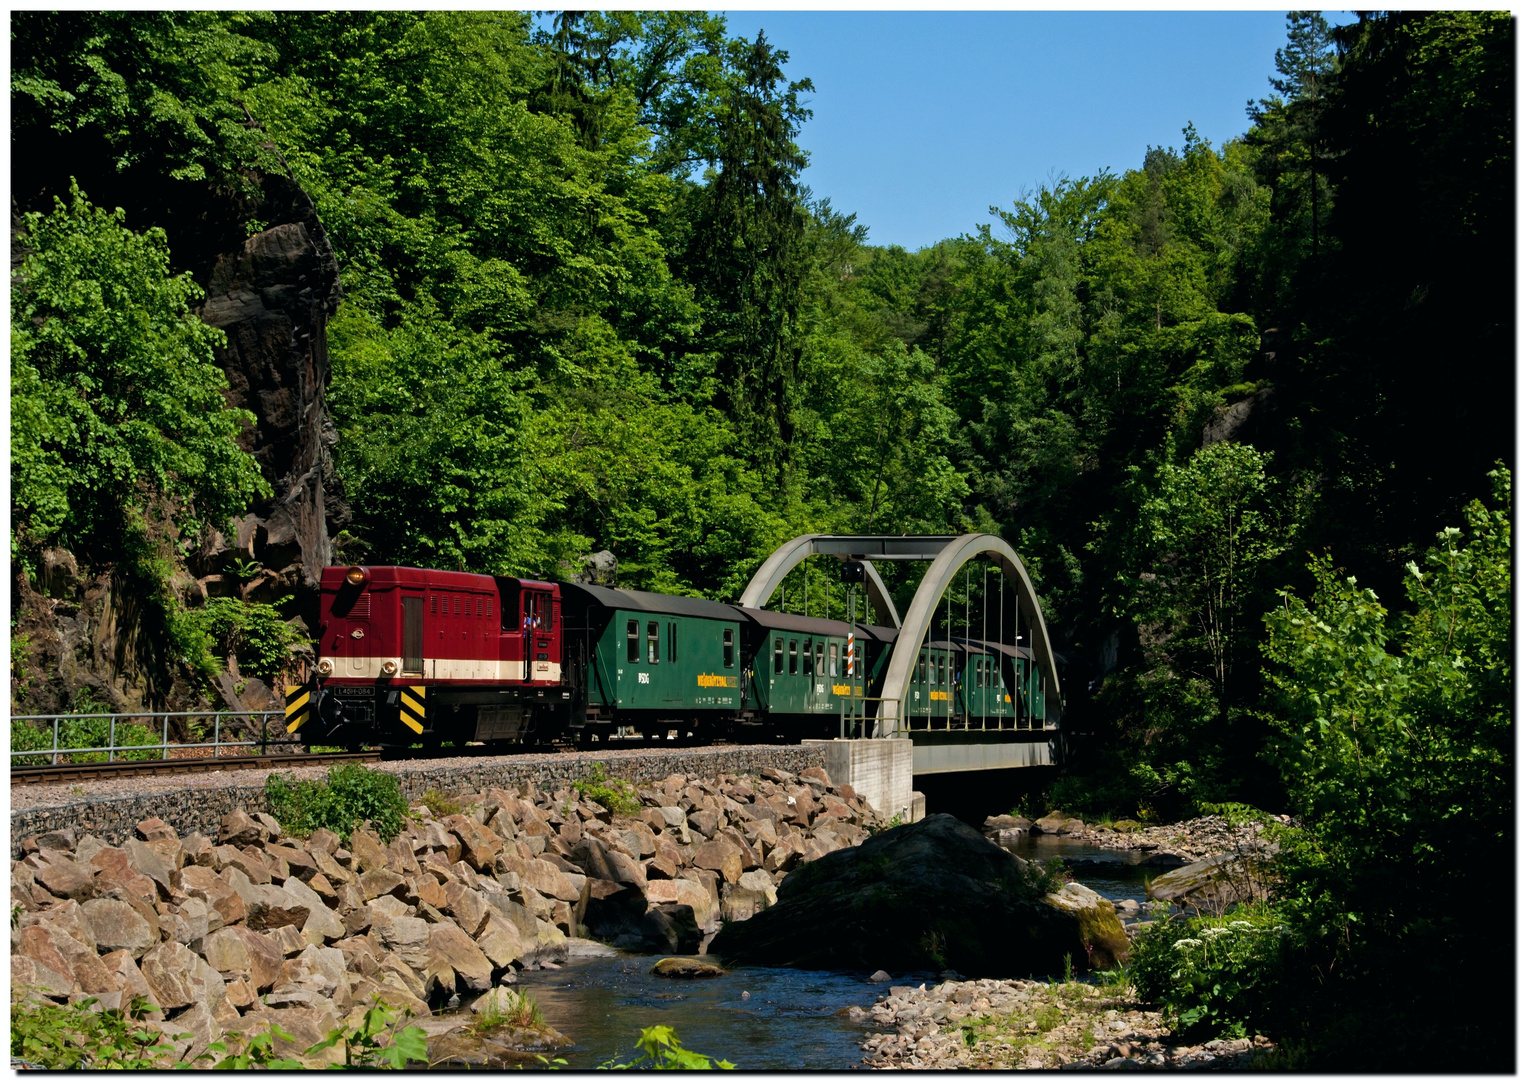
119	721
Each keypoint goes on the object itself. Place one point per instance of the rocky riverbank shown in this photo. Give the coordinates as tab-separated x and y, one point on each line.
1024	1024
226	936
1169	845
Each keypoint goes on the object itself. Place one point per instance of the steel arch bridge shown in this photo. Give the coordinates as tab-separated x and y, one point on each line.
946	555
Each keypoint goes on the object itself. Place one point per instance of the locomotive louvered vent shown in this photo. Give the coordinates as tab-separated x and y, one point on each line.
361	609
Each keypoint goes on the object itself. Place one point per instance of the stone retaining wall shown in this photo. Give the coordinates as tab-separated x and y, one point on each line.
113	818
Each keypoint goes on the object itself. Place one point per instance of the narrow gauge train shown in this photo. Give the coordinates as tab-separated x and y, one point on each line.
407	656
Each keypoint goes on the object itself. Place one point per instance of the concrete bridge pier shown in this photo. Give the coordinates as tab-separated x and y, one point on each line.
880	770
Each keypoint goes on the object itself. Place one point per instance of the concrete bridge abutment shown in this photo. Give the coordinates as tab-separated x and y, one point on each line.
880	770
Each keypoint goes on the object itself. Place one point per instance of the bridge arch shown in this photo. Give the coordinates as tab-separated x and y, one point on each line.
783	559
921	612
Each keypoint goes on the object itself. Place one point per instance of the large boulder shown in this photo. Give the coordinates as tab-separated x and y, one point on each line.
931	895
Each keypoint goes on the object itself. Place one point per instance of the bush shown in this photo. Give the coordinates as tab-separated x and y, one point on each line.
1216	977
254	633
617	795
350	794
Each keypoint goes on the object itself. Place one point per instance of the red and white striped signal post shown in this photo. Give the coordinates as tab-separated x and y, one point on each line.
850	654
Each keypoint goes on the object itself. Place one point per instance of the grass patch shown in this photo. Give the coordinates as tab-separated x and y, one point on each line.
1048	1018
520	1011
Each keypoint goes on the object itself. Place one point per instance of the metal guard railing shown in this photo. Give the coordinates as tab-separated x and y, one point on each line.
264	742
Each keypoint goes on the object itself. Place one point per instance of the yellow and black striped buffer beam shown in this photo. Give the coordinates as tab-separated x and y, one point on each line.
414	707
298	707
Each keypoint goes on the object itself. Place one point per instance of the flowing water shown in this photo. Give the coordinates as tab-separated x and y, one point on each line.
790	1020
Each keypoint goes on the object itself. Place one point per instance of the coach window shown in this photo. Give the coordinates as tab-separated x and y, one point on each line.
792	657
670	642
728	648
652	639
633	641
818	657
919	671
807	656
834	660
777	667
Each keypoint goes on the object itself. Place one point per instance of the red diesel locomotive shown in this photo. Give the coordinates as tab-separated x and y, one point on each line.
428	655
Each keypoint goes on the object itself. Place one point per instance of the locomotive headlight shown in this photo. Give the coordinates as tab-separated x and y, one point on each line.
388	668
355	576
325	666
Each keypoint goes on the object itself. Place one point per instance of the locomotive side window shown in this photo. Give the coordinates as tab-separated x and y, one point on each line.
652	639
834	660
792	657
728	648
633	641
807	657
411	635
778	666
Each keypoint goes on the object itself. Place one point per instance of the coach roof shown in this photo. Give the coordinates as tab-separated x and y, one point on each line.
655	603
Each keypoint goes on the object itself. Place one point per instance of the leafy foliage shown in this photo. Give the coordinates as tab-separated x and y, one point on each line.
253	633
1217	977
1397	746
659	1048
72	1037
116	399
349	795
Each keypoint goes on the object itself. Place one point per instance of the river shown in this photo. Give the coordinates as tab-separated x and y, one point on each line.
790	1018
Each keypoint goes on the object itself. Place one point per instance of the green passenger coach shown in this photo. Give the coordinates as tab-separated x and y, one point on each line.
652	661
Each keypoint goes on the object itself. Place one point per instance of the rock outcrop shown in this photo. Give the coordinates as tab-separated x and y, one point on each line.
926	896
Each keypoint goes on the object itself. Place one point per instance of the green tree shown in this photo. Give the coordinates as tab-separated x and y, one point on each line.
1397	746
747	252
116	397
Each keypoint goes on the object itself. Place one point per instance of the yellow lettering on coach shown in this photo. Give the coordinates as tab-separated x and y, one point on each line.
725	681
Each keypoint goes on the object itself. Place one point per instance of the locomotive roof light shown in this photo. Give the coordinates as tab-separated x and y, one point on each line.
356	575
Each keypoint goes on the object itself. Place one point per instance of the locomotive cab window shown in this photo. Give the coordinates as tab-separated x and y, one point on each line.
807	657
728	648
652	639
633	641
777	667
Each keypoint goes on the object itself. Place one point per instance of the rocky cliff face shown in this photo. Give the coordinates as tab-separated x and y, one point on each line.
272	293
272	297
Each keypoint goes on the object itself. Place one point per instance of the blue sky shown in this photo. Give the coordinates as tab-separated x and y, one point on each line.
922	120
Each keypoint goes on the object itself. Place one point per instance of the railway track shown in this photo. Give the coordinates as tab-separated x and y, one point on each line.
116	770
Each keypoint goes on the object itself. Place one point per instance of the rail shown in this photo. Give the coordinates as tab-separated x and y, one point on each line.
216	745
